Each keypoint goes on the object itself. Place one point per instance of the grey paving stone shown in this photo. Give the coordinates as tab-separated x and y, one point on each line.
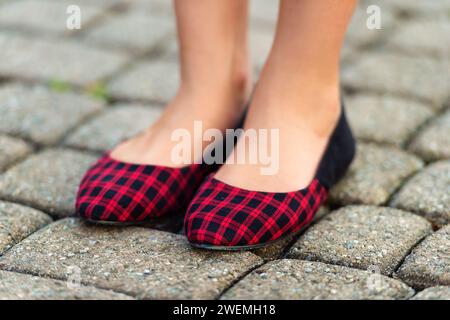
17	222
360	36
47	181
348	54
63	60
369	113
44	16
155	81
154	7
300	280
429	263
12	150
374	175
428	194
273	251
170	49
433	293
40	115
403	75
260	44
363	237
323	211
422	37
264	12
414	9
145	263
17	286
113	126
134	30
104	4
276	250
433	142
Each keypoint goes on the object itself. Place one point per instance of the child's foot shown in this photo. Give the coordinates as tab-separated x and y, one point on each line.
218	108
305	125
229	211
151	184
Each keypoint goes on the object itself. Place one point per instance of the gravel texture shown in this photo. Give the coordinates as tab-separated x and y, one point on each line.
419	9
374	175
114	32
264	12
429	263
47	181
48	16
158	8
113	126
369	113
147	81
141	262
398	74
17	286
63	60
18	222
433	293
276	250
12	150
260	45
433	142
359	35
428	194
40	115
364	237
422	37
302	280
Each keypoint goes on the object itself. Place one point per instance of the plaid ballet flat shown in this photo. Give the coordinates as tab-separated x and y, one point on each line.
224	217
115	192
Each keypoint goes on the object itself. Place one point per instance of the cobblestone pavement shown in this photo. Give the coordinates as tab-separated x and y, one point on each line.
384	234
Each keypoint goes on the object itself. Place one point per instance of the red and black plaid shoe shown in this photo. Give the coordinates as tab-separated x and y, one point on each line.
224	217
124	193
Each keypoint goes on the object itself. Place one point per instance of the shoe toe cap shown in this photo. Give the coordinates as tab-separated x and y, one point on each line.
223	215
103	199
220	226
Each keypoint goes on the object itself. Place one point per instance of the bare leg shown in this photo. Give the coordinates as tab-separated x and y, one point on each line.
215	81
298	92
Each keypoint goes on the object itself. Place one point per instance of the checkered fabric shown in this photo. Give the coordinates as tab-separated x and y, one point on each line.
223	215
115	191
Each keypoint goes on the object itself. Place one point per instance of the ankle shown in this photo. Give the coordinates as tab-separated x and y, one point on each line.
321	109
242	75
231	78
313	108
236	81
223	94
241	84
